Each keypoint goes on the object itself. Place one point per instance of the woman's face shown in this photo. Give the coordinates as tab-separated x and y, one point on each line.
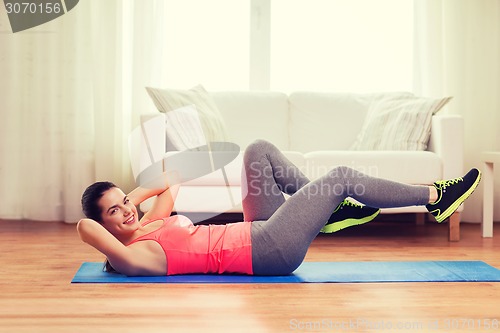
118	213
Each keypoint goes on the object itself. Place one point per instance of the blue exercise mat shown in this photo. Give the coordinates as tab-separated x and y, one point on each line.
319	272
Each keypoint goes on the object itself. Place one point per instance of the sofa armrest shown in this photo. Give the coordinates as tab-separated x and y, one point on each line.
147	143
447	141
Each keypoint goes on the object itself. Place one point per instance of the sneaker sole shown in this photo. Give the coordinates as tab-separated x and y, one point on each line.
337	226
453	207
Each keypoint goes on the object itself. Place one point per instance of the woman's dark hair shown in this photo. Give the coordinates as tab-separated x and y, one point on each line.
90	199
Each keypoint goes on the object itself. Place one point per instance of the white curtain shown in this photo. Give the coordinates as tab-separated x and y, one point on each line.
457	53
71	92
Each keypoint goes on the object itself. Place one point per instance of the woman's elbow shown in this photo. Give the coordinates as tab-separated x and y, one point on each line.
84	229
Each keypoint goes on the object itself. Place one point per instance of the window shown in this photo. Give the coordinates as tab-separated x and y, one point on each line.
207	42
290	45
341	45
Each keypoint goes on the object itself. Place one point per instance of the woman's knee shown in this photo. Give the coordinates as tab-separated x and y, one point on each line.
342	172
259	144
258	147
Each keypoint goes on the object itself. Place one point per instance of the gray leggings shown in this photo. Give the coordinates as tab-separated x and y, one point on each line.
282	230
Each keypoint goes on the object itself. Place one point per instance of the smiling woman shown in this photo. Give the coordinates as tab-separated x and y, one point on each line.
116	211
276	232
112	223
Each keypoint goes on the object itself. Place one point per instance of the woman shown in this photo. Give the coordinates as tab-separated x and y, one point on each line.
280	232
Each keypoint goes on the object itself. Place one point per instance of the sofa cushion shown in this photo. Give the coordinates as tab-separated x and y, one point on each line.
211	120
413	167
398	123
209	201
209	193
233	171
253	115
184	129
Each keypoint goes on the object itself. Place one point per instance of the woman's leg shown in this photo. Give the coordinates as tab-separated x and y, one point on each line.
266	175
280	243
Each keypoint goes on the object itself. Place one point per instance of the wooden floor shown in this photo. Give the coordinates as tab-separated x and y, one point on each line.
39	259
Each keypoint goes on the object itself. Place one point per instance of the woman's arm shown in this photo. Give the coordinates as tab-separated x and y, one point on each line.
164	201
122	258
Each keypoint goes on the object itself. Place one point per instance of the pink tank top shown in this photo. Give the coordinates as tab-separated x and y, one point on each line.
191	249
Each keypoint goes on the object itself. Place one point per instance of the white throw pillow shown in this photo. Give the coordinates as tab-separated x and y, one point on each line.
213	125
183	129
398	123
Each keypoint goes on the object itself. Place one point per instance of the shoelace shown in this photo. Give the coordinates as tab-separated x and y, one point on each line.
446	183
350	203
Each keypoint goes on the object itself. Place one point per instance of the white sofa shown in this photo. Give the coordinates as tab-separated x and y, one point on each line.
316	130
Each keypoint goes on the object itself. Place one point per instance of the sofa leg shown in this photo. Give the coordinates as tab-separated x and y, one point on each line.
454	227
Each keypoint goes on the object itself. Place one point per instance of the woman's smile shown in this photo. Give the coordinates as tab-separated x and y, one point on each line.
130	220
